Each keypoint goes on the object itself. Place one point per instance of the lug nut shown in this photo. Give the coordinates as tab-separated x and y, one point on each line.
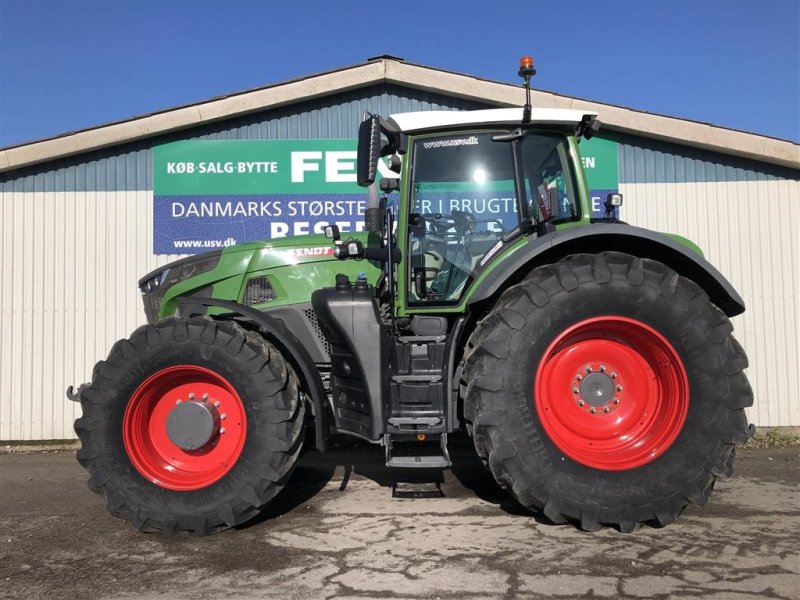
619	388
223	416
581	403
217	403
588	368
178	401
222	430
579	377
575	390
602	368
613	375
616	400
191	396
606	409
205	396
592	410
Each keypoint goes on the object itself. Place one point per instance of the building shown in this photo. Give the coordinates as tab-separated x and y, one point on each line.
78	224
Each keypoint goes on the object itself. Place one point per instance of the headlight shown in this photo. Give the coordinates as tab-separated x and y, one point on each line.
154	285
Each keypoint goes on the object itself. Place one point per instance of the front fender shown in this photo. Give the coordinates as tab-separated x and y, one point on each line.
277	332
603	237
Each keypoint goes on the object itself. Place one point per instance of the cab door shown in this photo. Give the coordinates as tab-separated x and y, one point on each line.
463	200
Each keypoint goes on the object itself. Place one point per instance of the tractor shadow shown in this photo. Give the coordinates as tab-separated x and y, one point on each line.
468	470
315	470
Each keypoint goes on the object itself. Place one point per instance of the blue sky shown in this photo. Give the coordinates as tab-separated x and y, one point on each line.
74	64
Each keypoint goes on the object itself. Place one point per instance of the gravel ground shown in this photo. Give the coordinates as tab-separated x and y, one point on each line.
315	541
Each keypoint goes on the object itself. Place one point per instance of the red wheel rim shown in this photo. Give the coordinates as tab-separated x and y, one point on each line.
144	428
611	393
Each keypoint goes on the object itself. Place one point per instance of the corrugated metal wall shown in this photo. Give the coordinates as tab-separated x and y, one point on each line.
746	218
130	167
77	234
70	262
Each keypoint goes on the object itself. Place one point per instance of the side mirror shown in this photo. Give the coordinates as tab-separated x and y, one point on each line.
369	150
332	232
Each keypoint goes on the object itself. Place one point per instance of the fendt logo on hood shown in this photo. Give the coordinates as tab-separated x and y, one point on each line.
315	252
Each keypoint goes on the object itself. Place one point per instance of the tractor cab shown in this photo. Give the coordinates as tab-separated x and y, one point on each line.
473	187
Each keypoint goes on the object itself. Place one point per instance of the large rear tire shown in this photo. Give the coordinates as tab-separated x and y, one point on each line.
190	424
606	390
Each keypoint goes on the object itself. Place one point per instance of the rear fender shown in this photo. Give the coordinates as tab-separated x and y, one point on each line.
604	237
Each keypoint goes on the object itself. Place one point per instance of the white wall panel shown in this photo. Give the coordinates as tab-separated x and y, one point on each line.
749	230
70	262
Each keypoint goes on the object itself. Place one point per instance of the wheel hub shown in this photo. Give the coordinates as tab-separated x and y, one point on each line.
597	389
192	425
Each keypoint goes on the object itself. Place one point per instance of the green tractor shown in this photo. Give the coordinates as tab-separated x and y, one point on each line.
590	361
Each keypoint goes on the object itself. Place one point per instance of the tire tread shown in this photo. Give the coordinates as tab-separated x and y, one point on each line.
259	357
486	410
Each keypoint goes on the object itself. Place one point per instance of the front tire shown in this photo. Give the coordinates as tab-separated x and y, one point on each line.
606	390
190	424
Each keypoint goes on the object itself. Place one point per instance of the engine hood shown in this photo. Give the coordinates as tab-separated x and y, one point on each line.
269	253
223	273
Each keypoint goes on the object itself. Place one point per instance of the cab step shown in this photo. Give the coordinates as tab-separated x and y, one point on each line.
431	489
432	461
415	424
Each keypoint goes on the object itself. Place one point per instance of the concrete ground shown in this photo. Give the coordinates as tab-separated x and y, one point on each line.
315	541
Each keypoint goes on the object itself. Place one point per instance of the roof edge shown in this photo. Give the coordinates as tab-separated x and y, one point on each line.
191	115
615	118
394	70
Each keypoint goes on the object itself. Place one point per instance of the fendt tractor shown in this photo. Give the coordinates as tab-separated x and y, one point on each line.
590	361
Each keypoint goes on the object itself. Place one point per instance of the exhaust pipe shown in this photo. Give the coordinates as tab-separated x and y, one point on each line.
374	216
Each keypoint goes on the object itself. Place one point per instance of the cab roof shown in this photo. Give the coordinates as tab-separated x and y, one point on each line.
419	121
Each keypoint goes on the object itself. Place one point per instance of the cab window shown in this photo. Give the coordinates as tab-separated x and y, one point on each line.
545	165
